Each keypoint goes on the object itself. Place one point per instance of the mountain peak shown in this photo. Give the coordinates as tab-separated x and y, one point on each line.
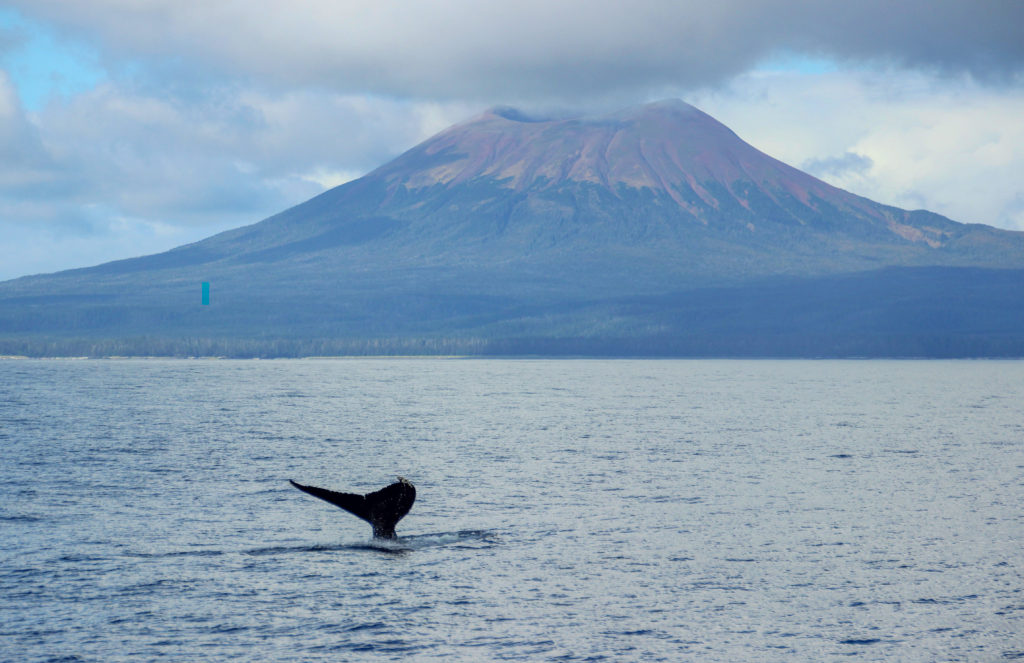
694	166
664	146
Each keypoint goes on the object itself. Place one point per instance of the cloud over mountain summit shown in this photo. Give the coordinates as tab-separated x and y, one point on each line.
537	49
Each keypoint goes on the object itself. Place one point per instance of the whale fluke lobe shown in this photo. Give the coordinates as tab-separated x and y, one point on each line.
382	509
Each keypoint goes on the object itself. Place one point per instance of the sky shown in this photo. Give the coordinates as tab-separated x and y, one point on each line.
129	127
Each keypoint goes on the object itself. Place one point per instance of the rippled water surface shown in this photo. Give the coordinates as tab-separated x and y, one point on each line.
566	510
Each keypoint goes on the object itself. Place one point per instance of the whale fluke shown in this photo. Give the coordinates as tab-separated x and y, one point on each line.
382	509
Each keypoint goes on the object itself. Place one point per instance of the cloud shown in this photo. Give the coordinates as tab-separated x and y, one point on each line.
120	167
837	166
534	50
34	248
1013	211
234	151
897	137
25	167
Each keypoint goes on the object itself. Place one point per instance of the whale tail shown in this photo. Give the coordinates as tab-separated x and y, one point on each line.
382	509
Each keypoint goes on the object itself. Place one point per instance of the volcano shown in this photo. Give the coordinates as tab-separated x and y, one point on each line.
653	230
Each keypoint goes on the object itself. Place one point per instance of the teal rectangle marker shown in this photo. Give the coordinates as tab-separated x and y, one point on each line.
206	293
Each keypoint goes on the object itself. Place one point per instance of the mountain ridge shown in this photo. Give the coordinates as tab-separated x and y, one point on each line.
502	223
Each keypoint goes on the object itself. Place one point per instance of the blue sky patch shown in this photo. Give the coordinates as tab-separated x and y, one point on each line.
43	64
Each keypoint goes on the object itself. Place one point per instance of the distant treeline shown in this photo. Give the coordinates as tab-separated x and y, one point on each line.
233	347
698	345
919	312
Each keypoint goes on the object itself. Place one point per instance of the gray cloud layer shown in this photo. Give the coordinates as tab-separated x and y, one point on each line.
844	164
538	49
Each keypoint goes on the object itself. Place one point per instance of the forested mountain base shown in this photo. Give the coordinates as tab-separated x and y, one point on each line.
919	312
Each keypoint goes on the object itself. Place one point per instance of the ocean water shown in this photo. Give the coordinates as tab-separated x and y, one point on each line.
570	510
